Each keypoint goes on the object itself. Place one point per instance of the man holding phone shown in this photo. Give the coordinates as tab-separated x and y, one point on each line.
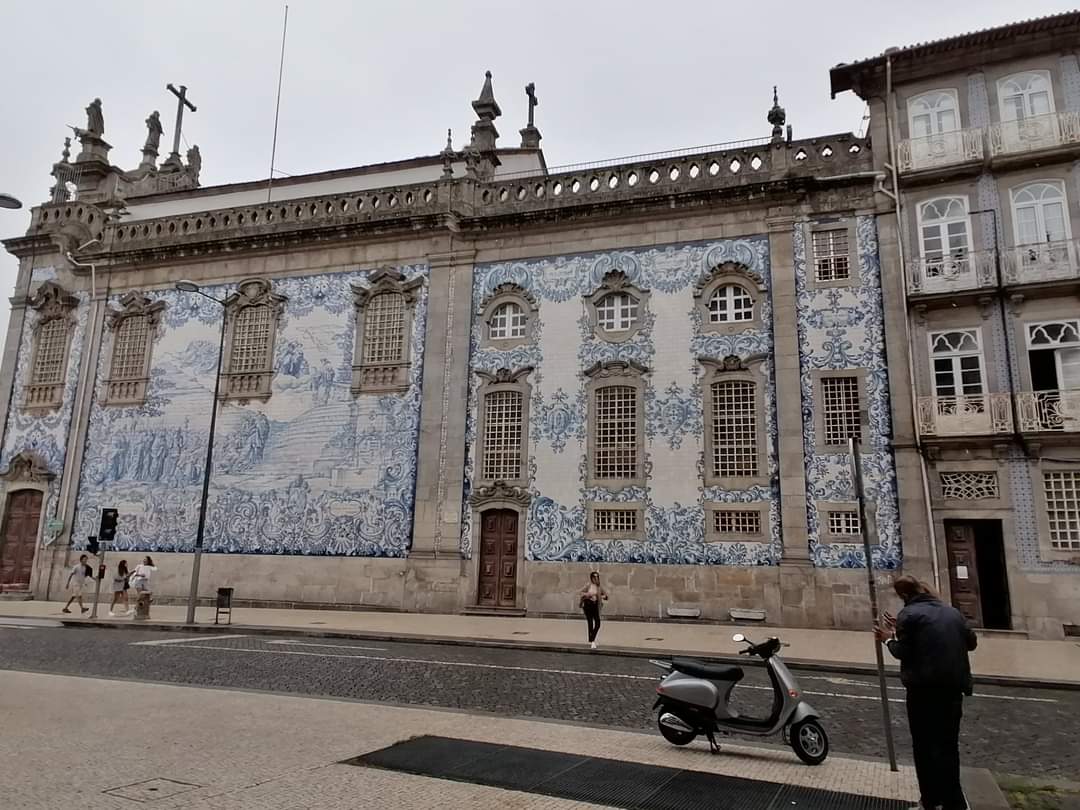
932	641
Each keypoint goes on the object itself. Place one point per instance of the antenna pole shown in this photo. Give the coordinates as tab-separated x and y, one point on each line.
277	107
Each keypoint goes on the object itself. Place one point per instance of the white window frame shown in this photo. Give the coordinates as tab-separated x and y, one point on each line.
731	294
1024	93
1069	521
947	254
617	283
1039	205
957	355
507	294
619	317
933	112
509	321
831	265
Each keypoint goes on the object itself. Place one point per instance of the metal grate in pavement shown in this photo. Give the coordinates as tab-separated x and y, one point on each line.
605	782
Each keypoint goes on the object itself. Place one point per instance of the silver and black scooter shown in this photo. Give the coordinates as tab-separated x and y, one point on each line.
694	697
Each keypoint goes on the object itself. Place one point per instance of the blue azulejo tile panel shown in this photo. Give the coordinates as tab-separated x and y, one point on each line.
44	433
313	470
670	345
842	328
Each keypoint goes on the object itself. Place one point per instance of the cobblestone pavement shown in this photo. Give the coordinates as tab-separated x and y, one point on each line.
1019	731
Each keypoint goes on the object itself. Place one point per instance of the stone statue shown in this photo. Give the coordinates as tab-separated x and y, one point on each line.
95	121
194	160
153	132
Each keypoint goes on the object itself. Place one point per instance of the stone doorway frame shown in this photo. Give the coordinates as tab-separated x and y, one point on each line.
498	495
27	471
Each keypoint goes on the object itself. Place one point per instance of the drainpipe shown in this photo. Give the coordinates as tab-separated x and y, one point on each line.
900	230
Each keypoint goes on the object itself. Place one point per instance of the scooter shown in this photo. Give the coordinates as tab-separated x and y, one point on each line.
694	697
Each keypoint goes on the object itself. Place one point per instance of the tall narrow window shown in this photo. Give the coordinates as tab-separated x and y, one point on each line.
1043	234
1063	508
1025	95
734	417
730	303
51	356
44	385
502	436
251	317
616	454
384	309
831	262
251	340
944	237
841	410
957	358
133	326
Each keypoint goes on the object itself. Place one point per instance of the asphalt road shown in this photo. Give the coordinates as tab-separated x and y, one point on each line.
1022	731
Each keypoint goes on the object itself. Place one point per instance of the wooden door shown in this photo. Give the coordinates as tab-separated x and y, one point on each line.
498	558
963	570
18	539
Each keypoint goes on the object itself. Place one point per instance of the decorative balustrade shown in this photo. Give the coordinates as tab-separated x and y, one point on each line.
123	392
964	270
1048	410
943	149
1034	133
973	415
43	395
381	378
1045	261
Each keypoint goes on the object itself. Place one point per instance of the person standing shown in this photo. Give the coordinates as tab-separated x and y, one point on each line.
932	641
75	582
120	588
140	581
592	596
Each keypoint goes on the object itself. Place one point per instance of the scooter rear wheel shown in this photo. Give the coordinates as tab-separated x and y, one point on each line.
810	742
674	736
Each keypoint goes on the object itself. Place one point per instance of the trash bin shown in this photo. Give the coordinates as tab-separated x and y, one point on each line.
224	605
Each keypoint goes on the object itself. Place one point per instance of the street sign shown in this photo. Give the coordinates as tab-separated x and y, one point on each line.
54	526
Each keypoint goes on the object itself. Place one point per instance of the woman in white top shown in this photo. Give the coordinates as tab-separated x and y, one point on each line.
592	596
140	577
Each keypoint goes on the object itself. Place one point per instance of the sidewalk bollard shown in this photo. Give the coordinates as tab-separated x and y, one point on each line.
142	606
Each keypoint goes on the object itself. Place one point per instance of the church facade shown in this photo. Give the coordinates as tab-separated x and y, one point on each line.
461	382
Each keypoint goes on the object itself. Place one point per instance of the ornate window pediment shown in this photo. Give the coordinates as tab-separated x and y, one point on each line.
134	328
384	319
44	386
728	299
617	308
251	319
508	316
27	466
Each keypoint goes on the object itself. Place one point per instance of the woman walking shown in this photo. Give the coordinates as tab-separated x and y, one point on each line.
120	588
140	581
592	596
75	582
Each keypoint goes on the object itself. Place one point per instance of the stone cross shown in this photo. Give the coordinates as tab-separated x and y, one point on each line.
530	91
182	102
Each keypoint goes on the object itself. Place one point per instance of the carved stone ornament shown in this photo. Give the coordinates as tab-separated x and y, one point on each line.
256	292
500	491
383	280
505	375
615	280
509	288
52	301
27	466
726	269
731	363
133	304
615	368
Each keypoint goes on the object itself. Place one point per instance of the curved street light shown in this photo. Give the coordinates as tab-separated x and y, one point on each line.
7	201
196	563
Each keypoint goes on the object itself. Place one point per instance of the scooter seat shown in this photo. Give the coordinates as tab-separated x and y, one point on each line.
712	672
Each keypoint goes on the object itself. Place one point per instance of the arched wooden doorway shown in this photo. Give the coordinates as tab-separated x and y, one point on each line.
18	538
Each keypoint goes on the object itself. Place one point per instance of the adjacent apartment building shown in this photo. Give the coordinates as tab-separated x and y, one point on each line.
463	381
983	131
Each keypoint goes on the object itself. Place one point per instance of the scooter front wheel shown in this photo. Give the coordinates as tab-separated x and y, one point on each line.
674	735
810	742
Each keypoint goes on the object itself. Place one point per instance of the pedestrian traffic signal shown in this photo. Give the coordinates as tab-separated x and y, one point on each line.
92	545
107	532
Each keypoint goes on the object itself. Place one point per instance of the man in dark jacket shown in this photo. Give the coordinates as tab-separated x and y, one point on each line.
932	641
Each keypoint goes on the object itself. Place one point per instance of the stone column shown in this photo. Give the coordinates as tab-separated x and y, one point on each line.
789	418
441	455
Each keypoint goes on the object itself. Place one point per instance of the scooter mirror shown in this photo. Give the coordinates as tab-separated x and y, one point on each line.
738	637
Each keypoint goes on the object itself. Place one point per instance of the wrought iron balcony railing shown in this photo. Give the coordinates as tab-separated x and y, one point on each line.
963	270
972	415
942	149
1044	261
1048	410
1034	133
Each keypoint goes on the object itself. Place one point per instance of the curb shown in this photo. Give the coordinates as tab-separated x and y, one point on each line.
805	665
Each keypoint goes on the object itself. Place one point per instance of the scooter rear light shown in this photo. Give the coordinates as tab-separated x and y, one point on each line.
793	693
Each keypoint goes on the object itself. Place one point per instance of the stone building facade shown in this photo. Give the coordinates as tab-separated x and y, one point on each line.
984	131
463	381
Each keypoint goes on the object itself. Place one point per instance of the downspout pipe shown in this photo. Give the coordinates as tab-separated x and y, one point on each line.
891	133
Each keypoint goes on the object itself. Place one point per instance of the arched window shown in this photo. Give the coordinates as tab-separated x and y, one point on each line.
944	235
44	386
616	309
730	303
133	327
508	322
384	309
1025	95
933	113
251	317
617	312
1040	213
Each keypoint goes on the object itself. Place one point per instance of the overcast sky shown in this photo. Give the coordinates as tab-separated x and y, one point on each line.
373	81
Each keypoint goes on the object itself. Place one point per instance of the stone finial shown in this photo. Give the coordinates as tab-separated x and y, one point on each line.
486	107
64	173
447	155
530	136
777	117
65	155
484	133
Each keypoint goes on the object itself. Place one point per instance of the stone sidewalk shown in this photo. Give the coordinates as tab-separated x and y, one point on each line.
1006	658
96	744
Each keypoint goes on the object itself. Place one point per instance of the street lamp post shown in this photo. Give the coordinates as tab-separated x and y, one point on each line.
196	563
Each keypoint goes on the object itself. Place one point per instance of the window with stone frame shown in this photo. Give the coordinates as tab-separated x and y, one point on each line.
133	327
502	425
615	521
841	407
384	325
831	255
843	523
734	410
616	424
51	344
736	522
616	309
1062	490
251	319
727	299
507	317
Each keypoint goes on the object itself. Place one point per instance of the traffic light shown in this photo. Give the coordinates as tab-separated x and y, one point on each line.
107	531
92	545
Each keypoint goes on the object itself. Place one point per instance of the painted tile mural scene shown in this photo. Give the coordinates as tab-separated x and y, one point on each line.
312	470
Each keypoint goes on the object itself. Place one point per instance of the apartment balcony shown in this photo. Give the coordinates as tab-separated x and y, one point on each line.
1034	134
974	415
969	270
1057	411
942	149
1045	261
